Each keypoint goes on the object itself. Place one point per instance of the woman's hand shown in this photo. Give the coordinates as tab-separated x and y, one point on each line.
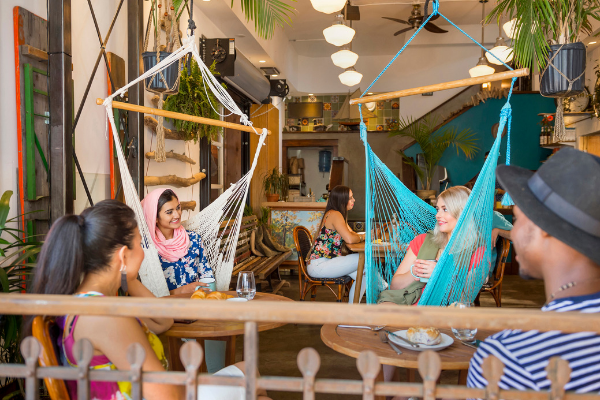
423	268
190	288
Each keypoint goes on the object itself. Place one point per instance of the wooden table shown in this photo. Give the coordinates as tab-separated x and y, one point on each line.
360	249
213	330
352	341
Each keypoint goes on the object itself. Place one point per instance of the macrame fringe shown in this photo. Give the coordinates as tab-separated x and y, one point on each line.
559	124
160	154
507	201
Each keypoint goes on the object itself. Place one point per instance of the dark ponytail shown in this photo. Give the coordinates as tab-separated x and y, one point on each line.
81	244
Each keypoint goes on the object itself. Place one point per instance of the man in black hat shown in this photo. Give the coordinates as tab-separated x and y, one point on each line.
557	238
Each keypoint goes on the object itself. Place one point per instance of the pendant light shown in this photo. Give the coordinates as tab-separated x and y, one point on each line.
328	6
350	77
509	28
482	68
500	50
339	34
344	58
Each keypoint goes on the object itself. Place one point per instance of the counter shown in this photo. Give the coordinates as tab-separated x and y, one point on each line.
284	216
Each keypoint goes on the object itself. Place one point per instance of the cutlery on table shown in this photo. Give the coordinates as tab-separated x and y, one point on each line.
469	345
404	340
376	329
383	337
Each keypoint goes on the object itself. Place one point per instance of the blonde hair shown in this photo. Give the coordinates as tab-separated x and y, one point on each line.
455	199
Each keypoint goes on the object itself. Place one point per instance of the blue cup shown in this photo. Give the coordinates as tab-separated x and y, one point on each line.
212	284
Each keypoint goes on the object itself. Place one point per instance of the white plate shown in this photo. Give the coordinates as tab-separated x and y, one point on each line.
382	244
446	341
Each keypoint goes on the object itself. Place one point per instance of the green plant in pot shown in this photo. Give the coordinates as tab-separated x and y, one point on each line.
17	260
276	185
547	34
434	141
194	98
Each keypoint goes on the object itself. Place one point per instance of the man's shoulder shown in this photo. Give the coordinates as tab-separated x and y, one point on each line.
498	221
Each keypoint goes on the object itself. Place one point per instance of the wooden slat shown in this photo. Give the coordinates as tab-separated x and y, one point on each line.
443	86
242	257
242	250
33	52
184	117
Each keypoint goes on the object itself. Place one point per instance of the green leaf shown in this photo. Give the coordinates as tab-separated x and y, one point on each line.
267	14
4	208
4	281
11	331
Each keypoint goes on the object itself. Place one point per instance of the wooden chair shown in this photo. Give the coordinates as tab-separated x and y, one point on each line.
43	328
495	287
303	241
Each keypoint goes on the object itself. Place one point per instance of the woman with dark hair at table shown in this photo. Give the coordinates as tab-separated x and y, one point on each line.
93	255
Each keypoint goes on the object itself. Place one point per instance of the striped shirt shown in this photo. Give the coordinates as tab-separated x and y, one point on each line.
526	354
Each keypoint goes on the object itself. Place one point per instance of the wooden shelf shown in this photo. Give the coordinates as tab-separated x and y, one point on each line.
558	144
570	114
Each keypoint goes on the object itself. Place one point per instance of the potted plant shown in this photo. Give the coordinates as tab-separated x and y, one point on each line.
434	141
17	260
194	98
276	185
547	33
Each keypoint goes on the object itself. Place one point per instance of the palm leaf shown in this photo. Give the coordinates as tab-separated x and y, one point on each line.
267	14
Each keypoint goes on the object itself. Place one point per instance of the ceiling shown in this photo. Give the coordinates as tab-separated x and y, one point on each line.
374	35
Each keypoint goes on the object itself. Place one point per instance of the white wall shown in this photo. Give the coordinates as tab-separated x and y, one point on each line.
315	180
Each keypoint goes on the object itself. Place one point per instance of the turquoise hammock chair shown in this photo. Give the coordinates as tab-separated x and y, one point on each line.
396	216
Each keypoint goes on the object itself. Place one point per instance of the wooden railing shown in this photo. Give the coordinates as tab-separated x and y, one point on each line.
308	359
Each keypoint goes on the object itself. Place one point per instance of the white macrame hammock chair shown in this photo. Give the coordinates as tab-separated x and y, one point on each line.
225	212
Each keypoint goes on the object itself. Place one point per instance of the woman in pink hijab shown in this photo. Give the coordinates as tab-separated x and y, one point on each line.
181	252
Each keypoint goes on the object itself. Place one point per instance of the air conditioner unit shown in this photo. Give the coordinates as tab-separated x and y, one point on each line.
235	69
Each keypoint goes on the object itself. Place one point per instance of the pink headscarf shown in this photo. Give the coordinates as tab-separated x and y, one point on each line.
171	249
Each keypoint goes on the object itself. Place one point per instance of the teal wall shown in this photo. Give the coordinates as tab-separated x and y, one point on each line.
525	150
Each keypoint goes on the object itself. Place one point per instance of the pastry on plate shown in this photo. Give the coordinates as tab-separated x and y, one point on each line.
199	294
426	336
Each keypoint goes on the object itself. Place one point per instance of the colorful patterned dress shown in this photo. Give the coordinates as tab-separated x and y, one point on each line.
102	390
327	245
189	268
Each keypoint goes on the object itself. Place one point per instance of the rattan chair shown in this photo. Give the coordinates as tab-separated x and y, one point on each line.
303	241
495	287
43	329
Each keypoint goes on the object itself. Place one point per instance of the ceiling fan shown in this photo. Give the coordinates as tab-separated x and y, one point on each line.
415	20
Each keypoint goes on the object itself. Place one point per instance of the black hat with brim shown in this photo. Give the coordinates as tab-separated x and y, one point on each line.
562	198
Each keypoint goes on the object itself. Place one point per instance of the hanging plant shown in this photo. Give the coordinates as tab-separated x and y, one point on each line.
194	98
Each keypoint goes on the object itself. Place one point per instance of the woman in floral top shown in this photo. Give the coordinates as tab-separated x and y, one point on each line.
325	259
181	252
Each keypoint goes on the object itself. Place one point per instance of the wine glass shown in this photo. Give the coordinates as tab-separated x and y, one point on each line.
464	335
246	288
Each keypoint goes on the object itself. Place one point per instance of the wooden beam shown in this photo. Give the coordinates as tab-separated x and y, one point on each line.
443	86
172	154
188	205
33	52
169	114
152	123
173	180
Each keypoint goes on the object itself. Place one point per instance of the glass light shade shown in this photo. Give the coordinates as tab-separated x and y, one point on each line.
500	50
328	6
339	34
509	28
482	68
350	77
371	106
344	58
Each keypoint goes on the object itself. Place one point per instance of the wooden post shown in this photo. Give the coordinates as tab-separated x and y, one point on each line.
135	121
443	86
204	165
61	109
251	358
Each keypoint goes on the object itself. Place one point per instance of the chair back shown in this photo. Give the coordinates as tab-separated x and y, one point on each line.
502	250
303	241
44	329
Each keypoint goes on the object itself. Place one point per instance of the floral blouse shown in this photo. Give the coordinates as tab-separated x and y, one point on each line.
188	269
327	245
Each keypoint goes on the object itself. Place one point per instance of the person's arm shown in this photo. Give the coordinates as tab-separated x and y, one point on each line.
340	225
500	227
189	288
402	278
156	325
112	336
500	232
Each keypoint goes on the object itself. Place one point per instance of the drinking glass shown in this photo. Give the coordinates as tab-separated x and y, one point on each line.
464	335
246	288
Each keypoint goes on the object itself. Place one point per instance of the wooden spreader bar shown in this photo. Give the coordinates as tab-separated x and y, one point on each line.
443	86
170	114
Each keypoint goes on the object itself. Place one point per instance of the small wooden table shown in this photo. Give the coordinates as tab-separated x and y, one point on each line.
202	330
360	249
352	341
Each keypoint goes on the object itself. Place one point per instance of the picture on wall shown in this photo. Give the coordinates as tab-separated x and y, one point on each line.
284	222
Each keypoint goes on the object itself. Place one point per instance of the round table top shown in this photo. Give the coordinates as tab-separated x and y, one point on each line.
352	341
213	329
